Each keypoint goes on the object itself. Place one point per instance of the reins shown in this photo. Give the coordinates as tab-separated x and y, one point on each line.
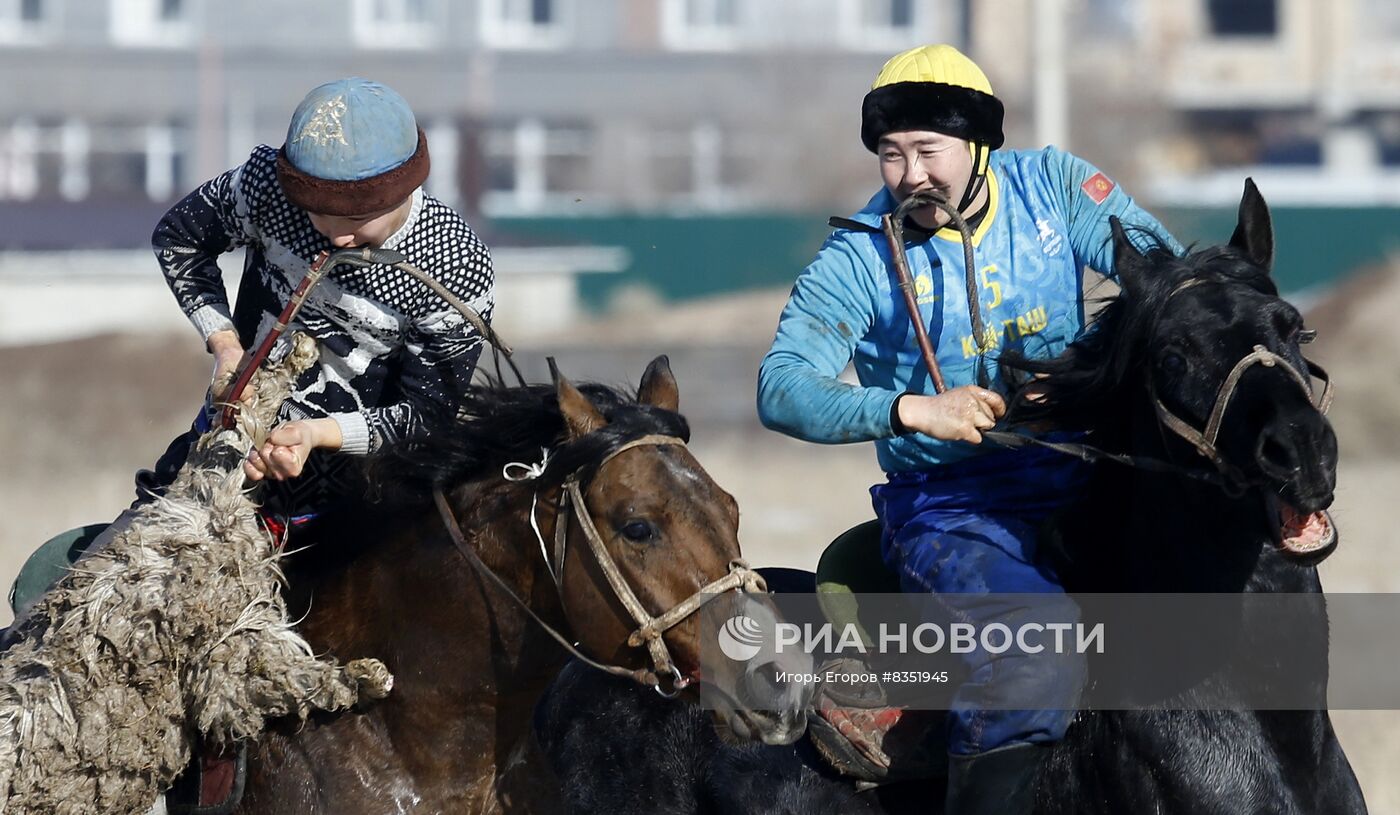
355	257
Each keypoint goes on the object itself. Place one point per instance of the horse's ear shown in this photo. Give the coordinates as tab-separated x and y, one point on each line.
579	414
1129	265
1254	234
659	386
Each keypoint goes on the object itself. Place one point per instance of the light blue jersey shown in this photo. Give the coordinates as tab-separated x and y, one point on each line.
1046	220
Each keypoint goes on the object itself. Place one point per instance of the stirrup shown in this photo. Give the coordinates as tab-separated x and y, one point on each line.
861	736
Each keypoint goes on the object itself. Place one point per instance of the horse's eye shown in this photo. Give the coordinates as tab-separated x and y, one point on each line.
1172	364
638	531
1290	327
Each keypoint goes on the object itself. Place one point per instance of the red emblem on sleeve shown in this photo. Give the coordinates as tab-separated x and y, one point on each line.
1097	187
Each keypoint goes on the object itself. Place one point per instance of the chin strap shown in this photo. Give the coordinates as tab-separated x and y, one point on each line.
978	179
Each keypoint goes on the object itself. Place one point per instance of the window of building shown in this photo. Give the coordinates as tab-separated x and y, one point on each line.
532	166
75	161
1243	18
1379	19
524	23
19	160
394	23
701	24
1116	19
671	169
445	139
25	21
128	161
1386	127
698	167
881	24
153	23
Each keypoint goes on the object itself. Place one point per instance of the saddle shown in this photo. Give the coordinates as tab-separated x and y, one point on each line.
855	729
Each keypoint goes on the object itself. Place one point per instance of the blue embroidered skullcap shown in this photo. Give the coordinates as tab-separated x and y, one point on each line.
353	147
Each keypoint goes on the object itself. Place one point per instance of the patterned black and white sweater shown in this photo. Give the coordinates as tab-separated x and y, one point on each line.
390	348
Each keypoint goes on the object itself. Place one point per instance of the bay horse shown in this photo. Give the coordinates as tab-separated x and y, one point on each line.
1190	343
589	508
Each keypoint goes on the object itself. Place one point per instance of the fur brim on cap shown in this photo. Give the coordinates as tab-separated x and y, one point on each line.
367	195
956	111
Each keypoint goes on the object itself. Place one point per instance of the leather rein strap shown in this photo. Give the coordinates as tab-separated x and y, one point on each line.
650	628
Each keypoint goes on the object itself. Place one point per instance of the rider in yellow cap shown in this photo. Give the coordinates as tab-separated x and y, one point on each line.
936	88
959	521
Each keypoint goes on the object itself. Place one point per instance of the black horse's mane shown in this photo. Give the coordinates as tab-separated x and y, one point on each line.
496	425
1084	386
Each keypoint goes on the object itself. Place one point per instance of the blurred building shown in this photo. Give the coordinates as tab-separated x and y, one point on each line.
1305	93
531	105
609	121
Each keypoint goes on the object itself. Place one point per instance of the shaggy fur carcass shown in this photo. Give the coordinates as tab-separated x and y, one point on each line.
175	630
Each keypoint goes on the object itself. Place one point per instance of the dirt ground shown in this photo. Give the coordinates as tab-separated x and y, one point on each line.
77	418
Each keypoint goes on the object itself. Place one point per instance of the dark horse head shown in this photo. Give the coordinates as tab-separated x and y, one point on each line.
1197	361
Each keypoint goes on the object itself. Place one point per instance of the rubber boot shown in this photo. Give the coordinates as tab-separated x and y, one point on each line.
997	782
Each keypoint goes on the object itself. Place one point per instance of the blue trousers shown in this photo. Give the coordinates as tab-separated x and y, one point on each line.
965	534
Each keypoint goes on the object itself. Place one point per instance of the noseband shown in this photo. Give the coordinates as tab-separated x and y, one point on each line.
650	629
1204	440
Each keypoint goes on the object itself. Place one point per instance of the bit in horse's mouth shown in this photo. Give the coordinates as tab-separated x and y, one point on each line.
1304	535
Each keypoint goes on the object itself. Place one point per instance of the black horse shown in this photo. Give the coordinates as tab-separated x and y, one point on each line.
1164	349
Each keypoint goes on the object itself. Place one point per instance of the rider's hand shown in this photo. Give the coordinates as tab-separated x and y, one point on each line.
960	414
287	447
229	358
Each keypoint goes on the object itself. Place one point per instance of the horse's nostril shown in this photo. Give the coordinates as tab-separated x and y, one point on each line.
762	688
1274	456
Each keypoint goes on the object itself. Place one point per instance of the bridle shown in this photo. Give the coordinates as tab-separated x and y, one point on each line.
651	630
1203	441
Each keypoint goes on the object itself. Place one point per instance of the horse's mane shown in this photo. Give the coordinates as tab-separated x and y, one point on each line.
497	425
1085	385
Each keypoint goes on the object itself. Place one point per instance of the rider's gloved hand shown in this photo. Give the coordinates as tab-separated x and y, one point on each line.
287	447
960	414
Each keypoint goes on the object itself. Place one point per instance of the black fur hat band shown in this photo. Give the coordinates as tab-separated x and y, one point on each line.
950	109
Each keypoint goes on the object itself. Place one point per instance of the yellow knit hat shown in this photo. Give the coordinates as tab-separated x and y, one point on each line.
932	87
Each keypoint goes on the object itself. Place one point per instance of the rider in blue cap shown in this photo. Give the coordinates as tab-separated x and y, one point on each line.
391	352
349	174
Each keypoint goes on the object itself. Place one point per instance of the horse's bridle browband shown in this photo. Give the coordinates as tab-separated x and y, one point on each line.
651	629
